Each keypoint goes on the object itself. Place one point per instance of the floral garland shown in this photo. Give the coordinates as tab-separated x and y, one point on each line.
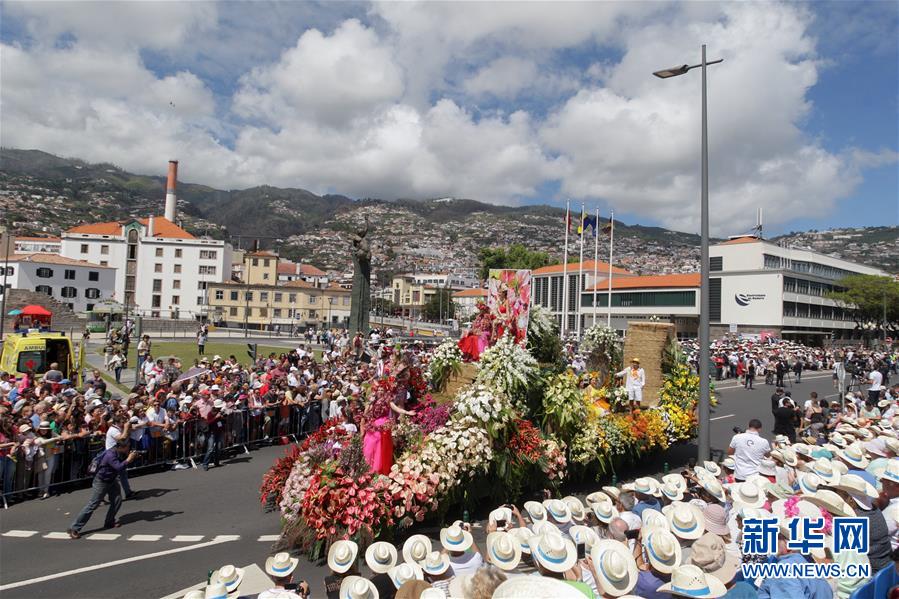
446	361
507	368
491	410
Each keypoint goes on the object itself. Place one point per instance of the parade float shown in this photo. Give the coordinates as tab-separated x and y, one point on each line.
492	424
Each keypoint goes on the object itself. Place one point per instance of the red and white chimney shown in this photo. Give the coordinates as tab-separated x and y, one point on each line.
171	199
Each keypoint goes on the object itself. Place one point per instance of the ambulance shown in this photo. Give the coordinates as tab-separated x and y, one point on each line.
35	351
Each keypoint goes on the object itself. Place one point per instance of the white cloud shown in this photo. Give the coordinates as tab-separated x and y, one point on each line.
503	78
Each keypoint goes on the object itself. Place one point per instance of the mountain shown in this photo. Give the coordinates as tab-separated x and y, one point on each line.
877	246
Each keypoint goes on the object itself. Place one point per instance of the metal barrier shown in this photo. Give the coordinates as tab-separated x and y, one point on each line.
26	474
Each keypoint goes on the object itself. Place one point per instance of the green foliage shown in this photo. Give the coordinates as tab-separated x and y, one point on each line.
440	305
516	256
544	342
563	406
871	298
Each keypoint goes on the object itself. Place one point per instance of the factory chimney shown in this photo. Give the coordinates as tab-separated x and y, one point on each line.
171	199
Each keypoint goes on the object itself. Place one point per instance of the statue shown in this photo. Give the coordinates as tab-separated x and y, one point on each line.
360	305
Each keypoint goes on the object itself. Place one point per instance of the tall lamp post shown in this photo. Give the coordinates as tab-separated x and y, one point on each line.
704	341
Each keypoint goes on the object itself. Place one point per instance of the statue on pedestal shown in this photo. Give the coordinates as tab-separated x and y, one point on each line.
360	305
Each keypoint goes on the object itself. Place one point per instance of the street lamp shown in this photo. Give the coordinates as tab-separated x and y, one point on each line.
704	340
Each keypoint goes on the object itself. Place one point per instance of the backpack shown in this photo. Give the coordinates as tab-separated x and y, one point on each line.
94	466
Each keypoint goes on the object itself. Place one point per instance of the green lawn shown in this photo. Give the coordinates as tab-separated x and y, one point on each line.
186	351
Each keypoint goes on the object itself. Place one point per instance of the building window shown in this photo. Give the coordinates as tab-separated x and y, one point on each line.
202	285
157	285
44	289
104	249
263	312
69	274
104	263
68	292
10	270
208	254
255	261
220	295
93	275
157	301
207	270
176	284
157	267
176	300
178	252
132	252
176	269
199	300
44	273
248	296
277	312
312	299
346	301
234	296
265	275
265	263
232	310
92	293
90	307
292	298
263	296
716	263
159	252
279	297
83	248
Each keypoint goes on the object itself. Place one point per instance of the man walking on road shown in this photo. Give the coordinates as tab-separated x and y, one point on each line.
112	462
776	398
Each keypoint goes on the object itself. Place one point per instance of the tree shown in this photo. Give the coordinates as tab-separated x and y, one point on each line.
383	307
870	298
440	305
517	256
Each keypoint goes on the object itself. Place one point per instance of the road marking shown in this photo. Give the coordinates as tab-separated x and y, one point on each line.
127	560
762	385
144	537
57	535
187	538
226	538
722	417
22	534
268	538
103	536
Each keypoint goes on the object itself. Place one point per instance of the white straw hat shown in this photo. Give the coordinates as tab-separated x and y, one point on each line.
677	479
824	468
747	494
455	538
503	550
583	535
545	527
535	510
654	518
861	491
230	576
714	488
534	587
686	521
892	471
613	492
558	510
768	467
729	463
195	594
597	497
215	590
663	550
615	567
500	513
809	482
380	557
575	508
523	536
831	502
604	510
416	548
342	555
436	563
553	552
281	564
356	587
712	467
690	581
671	491
854	455
405	572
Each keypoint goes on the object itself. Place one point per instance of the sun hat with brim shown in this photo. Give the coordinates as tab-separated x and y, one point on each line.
716	519
715	489
831	502
546	527
686	521
432	593
404	572
802	449
553	552
877	447
532	587
709	555
891	472
230	576
605	511
747	494
713	468
500	513
671	492
503	550
615	566
654	518
781	440
435	564
380	557
597	497
838	439
690	581
215	590
746	512
558	510
455	538
861	491
854	455
778	491
281	564
25	428
416	548
342	555
647	486
583	535
613	492
729	463
825	471
523	536
768	467
356	587
864	434
575	508
195	594
535	510
701	473
677	479
840	467
663	549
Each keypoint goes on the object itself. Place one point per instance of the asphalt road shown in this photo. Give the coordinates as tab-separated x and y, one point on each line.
185	523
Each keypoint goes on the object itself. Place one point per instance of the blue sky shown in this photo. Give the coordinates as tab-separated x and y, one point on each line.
506	103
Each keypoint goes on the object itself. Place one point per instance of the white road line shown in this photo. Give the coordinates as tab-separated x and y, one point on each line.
268	538
225	538
21	534
56	535
722	417
144	537
187	538
127	560
103	536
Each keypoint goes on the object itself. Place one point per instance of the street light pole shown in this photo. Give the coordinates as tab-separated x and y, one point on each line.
704	336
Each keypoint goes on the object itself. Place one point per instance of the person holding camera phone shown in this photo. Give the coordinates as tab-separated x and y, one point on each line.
107	467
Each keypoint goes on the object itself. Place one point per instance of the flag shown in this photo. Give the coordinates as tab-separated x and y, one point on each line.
607	227
582	225
590	221
568	218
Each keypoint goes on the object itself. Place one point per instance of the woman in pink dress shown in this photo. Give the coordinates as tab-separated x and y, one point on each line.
388	404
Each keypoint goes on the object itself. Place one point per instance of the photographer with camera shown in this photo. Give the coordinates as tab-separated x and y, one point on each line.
106	467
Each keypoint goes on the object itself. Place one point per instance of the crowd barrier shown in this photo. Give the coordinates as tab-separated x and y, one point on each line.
63	465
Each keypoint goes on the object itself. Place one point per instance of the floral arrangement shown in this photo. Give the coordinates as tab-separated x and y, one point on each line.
490	410
556	463
338	505
600	338
429	415
507	368
564	410
526	444
273	481
445	362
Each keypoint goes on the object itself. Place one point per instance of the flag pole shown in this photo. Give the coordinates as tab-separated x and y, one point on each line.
595	261
580	276
564	326
611	245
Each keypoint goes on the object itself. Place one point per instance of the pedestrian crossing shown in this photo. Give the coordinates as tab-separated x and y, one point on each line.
136	538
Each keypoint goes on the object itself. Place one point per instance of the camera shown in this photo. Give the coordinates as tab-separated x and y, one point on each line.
737	430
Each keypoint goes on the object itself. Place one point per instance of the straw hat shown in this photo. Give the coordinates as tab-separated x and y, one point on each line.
690	581
701	473
645	486
405	572
877	447
597	497
229	576
709	554
455	538
576	508
854	455
342	555
558	510
615	567
553	552
713	468
892	471
747	494
195	594
715	489
416	548
654	519
778	490
831	502
729	463
604	510
787	456
686	520
356	587
802	449
533	587
836	438
499	514
671	491
436	563
523	536
535	510
861	491
663	549
503	550
546	527
677	479
716	519
380	557
768	467
781	440
583	535
216	590
864	434
825	471
281	564
613	492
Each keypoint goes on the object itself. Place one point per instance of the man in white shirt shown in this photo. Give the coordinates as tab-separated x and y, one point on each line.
118	430
634	381
748	449
876	380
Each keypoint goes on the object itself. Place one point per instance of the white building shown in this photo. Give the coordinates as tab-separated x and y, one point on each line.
448	280
37	245
77	283
293	271
467	302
